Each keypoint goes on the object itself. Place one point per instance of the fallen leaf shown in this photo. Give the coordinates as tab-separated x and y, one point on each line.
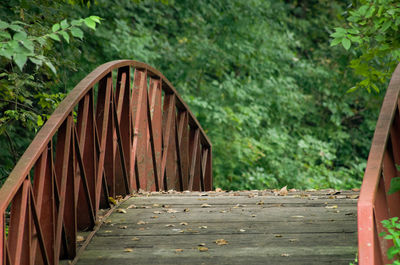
154	217
123	227
242	230
141	222
170	225
112	200
156	205
119	197
205	205
331	207
251	195
203	227
128	250
132	206
178	250
202	244
283	191
297	216
236	194
80	238
238	205
293	240
223	211
141	229
260	203
186	210
183	223
253	215
277	235
121	211
218	190
353	196
165	206
221	242
355	189
157	212
145	207
285	255
292	190
202	249
135	239
107	231
172	211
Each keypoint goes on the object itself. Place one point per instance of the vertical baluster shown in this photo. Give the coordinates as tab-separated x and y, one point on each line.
208	174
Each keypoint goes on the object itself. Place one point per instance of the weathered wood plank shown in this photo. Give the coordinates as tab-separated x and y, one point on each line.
302	228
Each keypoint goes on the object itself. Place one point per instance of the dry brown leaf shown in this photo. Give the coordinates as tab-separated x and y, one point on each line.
203	227
253	215
135	239
165	206
202	244
132	206
141	222
154	217
260	203
141	229
251	195
242	230
223	211
277	235
121	211
156	205
178	250
157	212
186	210
297	216
283	191
80	238
331	207
355	189
285	255
205	205
221	242
292	190
172	211
353	196
123	227
128	250
218	190
145	207
170	225
202	249
107	231
293	240
183	223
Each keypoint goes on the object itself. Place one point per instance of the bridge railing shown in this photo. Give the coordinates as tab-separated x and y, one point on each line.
121	129
375	204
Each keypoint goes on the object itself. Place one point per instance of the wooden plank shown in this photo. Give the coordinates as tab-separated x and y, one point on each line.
280	230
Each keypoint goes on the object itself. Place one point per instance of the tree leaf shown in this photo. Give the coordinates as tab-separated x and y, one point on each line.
55	27
64	24
51	66
346	43
90	23
54	36
95	19
65	36
36	61
335	42
394	185
20	36
28	44
20	60
77	32
16	28
3	25
4	35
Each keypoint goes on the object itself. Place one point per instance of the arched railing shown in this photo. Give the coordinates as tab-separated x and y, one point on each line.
121	129
375	204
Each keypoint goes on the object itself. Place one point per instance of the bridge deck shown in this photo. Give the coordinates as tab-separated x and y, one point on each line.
258	227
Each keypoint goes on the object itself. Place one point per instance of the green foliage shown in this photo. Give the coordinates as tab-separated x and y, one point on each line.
30	38
393	234
260	76
372	29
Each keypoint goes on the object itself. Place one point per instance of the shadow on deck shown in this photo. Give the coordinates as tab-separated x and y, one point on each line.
258	227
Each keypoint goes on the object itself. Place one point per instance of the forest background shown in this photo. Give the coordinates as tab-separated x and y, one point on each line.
261	77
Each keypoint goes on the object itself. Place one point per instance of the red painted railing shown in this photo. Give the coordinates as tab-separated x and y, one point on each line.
374	204
103	140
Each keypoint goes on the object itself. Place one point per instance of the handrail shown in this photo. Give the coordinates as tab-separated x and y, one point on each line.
102	141
374	204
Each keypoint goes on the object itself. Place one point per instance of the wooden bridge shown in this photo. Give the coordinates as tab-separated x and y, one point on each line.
121	173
